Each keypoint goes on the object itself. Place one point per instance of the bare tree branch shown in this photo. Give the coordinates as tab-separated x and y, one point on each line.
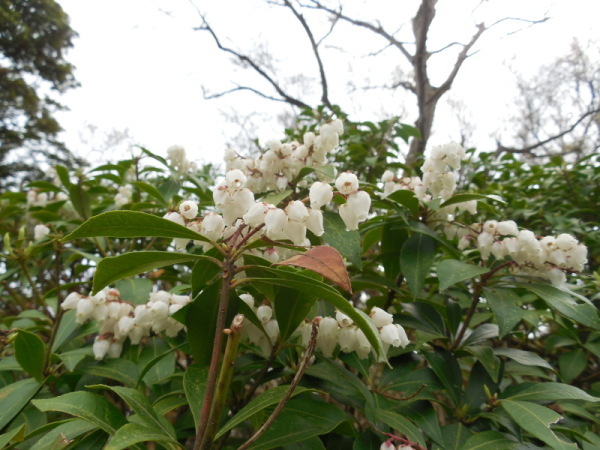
315	49
528	149
246	59
208	96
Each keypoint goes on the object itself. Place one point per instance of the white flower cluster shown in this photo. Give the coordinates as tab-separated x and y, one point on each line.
332	331
342	331
177	157
124	195
119	320
281	163
548	257
239	209
389	445
36	198
439	179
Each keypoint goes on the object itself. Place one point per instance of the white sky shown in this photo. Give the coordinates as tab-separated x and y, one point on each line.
142	66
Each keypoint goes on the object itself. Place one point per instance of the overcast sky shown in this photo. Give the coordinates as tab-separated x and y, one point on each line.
142	66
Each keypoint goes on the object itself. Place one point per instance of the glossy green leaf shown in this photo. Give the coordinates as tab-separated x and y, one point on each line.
156	362
60	436
80	198
126	265
264	400
523	357
454	436
483	332
451	271
392	240
504	304
561	301
150	190
416	259
484	440
134	290
276	197
14	397
325	292
205	271
30	351
403	425
119	369
201	320
291	308
486	357
65	329
571	364
445	366
536	419
428	318
131	224
139	404
135	433
551	392
407	199
16	434
194	385
90	407
345	242
302	418
460	198
73	357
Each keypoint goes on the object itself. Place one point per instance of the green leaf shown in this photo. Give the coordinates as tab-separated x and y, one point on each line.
504	305
194	385
65	329
445	366
551	392
571	364
14	397
16	433
201	320
30	351
205	271
416	259
455	435
536	419
80	199
429	318
90	407
61	435
484	440
156	362
73	357
135	290
155	156
126	265
330	295
451	271
486	357
345	242
392	240
460	198
134	433
291	308
276	197
120	369
264	400
561	301
150	190
407	199
141	406
302	418
523	357
131	224
403	425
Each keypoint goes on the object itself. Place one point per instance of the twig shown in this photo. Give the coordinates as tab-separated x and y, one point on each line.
303	365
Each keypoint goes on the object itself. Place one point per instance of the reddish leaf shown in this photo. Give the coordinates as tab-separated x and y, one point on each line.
325	261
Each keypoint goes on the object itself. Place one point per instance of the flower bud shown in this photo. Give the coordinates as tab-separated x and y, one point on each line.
188	209
320	194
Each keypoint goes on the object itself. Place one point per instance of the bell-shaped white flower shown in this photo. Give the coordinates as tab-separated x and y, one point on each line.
40	232
275	221
71	301
320	194
264	313
256	214
349	217
174	217
188	209
235	179
315	222
100	348
296	232
115	349
346	183
360	202
296	211
380	317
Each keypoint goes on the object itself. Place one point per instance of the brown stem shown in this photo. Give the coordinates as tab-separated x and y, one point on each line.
211	381
301	369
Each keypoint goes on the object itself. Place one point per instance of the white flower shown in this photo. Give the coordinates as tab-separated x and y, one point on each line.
115	349
256	214
247	299
188	209
380	318
174	217
40	232
264	313
296	232
100	348
320	194
342	319
346	183
275	221
349	217
315	222
296	211
235	178
71	301
507	228
85	309
360	202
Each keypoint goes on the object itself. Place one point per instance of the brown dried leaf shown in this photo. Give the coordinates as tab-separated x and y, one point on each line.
325	261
